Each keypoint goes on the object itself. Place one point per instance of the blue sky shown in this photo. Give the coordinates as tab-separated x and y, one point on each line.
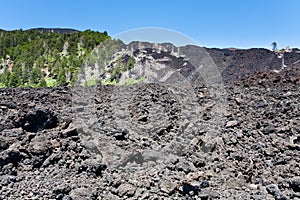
212	23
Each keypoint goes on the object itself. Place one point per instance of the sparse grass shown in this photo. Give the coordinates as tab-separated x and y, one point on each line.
91	82
49	58
51	82
131	81
108	81
31	85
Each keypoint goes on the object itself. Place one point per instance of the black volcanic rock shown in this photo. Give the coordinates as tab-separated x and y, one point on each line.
138	142
38	120
238	62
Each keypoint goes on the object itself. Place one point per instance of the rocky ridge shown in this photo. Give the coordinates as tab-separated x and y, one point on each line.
227	64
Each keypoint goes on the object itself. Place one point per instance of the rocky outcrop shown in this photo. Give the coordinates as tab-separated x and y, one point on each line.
228	64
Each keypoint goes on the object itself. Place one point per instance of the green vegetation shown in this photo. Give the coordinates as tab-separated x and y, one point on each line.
62	80
36	75
130	63
35	59
13	80
131	81
51	82
43	83
110	81
121	65
91	82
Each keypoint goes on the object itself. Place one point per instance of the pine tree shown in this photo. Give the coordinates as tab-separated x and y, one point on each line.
61	79
5	77
13	80
43	83
36	75
130	63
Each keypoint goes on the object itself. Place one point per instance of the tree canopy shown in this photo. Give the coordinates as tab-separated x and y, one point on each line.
27	57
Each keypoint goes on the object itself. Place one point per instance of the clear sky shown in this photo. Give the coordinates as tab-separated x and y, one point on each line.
212	23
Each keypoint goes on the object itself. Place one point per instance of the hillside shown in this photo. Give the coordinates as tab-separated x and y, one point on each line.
28	58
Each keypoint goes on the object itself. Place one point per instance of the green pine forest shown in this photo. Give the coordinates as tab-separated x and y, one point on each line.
33	58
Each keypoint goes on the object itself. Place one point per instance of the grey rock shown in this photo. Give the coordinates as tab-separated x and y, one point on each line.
273	189
81	194
9	104
168	186
126	189
7	179
231	124
269	129
4	143
91	146
39	145
66	197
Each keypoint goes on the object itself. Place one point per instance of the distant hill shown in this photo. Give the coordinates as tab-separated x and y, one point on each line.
55	30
